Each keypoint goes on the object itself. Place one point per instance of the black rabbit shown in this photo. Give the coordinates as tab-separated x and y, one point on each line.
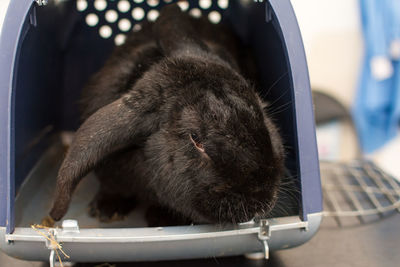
171	119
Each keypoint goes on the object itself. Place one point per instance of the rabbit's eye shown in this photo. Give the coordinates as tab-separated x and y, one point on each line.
195	137
197	142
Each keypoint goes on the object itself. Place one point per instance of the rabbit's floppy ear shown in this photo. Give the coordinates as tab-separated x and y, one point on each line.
108	130
173	30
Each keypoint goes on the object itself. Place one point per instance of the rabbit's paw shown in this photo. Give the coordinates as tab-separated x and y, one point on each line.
111	207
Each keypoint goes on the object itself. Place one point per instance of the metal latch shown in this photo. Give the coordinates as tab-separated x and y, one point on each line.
68	226
263	235
52	235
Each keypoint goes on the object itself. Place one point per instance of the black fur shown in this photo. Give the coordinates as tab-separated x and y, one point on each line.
177	77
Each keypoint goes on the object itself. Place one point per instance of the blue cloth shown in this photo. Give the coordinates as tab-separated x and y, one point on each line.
377	105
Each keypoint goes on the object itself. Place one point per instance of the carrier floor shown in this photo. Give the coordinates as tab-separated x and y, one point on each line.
34	198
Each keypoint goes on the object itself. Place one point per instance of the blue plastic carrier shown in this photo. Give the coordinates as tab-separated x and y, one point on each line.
47	52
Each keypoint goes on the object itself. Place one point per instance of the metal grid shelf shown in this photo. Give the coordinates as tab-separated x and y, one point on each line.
358	189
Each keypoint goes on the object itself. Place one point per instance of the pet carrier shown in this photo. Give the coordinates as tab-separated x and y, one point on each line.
48	51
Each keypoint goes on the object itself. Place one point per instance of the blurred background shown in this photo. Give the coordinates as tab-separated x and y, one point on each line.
338	53
333	41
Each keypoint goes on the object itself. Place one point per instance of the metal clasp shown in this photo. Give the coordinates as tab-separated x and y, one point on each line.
52	235
263	235
68	226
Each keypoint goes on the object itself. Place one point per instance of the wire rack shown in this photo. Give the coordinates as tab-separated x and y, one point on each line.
358	190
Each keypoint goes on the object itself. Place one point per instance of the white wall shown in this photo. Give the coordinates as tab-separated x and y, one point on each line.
333	42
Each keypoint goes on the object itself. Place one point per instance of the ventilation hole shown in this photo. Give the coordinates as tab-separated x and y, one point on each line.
214	17
223	4
124	25
152	15
92	19
111	15
138	13
195	12
105	31
138	1
124	6
204	4
153	3
81	5
120	39
184	5
137	27
100	5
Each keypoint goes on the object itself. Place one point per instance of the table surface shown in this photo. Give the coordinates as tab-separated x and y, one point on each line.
372	244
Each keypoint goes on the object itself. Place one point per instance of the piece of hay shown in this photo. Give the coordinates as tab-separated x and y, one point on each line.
52	239
48	222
